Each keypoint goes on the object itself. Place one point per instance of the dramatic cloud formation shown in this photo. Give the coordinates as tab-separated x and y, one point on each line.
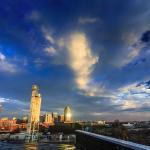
81	59
93	57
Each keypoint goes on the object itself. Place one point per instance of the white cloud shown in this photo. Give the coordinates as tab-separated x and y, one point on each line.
6	66
86	20
135	90
133	96
49	38
50	50
130	104
2	57
81	59
13	101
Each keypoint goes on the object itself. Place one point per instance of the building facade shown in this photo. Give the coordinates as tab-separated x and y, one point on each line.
68	114
61	118
48	118
35	107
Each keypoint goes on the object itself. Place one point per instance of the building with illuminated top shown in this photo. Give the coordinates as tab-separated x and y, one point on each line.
35	107
67	114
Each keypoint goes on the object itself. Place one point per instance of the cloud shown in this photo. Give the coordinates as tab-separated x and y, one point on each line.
132	53
2	57
13	101
81	59
133	96
11	107
130	104
47	32
49	38
50	50
87	20
6	66
129	51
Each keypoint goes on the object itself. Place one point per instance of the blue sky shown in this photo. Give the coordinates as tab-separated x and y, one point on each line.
91	55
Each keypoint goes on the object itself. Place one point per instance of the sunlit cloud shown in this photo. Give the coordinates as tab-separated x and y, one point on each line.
130	104
81	59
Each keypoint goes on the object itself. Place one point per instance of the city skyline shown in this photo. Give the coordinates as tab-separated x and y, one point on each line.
92	56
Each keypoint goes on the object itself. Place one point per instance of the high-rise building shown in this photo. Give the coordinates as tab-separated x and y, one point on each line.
55	116
48	118
35	107
61	118
67	114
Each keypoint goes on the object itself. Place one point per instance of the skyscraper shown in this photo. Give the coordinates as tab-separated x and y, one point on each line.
67	114
35	107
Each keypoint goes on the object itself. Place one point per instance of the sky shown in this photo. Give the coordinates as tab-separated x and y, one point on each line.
91	55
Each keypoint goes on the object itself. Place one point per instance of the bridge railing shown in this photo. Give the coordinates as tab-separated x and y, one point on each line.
90	141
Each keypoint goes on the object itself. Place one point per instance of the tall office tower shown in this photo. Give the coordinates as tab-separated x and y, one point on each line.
35	107
48	118
67	114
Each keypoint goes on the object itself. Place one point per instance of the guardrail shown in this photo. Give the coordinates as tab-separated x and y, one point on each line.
90	141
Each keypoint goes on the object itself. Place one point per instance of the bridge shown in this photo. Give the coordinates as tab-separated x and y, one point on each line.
90	141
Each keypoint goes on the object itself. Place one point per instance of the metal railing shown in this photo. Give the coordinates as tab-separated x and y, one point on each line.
91	141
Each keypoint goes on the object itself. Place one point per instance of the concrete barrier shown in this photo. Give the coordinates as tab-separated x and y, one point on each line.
90	141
